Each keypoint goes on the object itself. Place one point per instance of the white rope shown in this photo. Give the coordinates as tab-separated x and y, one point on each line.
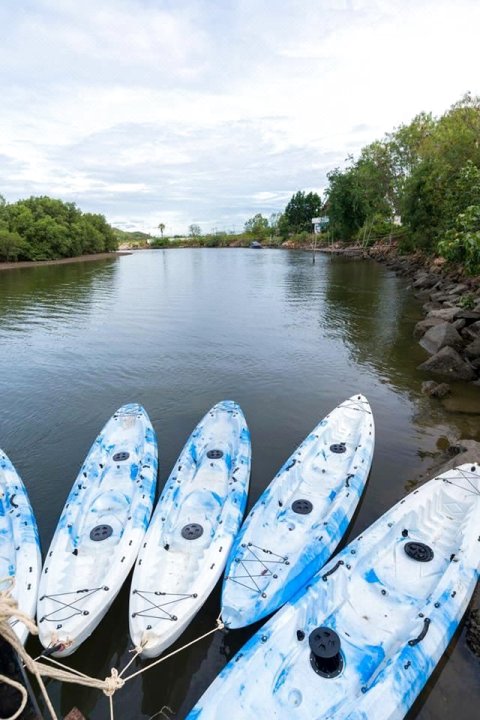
9	609
24	699
219	626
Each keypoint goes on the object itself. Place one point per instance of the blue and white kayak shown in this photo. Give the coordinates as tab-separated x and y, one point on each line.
361	640
192	529
20	558
301	517
100	531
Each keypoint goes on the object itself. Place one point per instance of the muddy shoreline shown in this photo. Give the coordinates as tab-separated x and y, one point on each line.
62	261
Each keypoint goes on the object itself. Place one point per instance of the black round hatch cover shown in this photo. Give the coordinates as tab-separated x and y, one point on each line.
101	532
121	456
325	657
338	447
302	507
192	531
419	551
215	454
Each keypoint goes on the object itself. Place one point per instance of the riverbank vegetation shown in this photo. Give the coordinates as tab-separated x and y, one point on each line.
418	187
42	228
293	224
420	184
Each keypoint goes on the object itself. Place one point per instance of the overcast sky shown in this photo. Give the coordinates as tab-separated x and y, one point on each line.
209	111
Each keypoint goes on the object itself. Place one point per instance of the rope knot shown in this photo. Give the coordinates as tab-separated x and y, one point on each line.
112	683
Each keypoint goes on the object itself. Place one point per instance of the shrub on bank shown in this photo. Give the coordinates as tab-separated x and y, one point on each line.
42	228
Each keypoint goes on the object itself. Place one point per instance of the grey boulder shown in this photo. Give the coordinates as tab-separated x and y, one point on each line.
447	314
472	351
439	336
421	327
448	362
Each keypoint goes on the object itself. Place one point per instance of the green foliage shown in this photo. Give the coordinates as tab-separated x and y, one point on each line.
12	246
347	210
298	214
160	242
133	238
302	239
467	302
375	228
429	173
42	228
462	243
257	227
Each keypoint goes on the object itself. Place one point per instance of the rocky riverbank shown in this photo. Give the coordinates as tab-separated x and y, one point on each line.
450	330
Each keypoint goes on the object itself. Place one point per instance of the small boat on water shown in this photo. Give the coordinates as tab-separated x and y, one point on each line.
364	635
100	531
20	559
192	529
302	515
256	245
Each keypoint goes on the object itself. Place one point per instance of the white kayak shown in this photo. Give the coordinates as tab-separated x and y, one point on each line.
99	532
192	529
361	640
301	517
20	558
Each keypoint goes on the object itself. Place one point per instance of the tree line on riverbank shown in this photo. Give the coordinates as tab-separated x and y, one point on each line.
42	228
294	224
420	183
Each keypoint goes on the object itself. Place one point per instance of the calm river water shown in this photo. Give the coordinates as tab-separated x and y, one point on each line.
177	331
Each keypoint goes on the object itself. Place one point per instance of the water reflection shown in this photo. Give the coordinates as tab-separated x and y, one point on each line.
373	312
45	295
178	331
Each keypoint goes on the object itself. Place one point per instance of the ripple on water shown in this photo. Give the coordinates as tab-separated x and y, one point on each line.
178	331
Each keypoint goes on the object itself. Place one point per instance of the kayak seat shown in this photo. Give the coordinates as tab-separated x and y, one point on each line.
109	508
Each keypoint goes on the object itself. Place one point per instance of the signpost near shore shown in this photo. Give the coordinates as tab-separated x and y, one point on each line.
319	223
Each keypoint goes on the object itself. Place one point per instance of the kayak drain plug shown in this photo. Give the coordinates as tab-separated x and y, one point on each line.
419	551
121	456
100	532
325	657
302	507
192	531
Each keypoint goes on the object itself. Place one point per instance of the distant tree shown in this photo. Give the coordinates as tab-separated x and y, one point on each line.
51	229
161	227
274	221
300	210
194	230
257	226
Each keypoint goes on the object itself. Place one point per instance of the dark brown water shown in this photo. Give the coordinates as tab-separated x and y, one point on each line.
177	331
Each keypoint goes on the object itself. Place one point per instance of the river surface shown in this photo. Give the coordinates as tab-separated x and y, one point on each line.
179	330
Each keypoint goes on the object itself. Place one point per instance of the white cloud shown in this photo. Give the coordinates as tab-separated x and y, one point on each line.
208	112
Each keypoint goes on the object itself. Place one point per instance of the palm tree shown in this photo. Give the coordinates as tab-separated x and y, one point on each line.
161	227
